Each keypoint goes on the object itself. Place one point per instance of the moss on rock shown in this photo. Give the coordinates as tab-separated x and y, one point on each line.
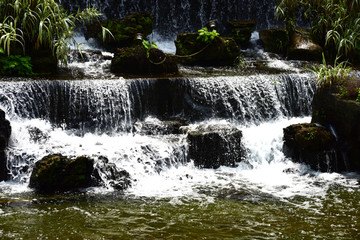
137	61
220	51
58	173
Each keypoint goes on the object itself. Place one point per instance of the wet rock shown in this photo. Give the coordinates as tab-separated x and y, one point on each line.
136	61
220	51
313	145
107	173
56	173
275	40
303	48
212	146
124	30
157	127
43	61
241	31
5	132
344	117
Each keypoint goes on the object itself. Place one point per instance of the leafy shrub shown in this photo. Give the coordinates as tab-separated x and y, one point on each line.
39	24
206	36
15	65
328	75
335	23
148	45
358	97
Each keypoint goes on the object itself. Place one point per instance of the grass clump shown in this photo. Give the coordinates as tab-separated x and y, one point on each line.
31	25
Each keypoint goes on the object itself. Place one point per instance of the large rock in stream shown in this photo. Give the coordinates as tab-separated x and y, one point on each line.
313	145
219	51
57	173
5	132
212	146
344	116
138	61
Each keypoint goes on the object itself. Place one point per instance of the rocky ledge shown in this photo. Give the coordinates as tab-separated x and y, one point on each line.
5	132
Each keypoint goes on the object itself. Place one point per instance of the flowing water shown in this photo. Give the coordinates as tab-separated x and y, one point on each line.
89	111
267	196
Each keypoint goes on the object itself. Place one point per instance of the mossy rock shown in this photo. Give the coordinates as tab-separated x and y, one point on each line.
241	31
275	40
344	116
313	145
123	30
302	47
137	61
220	51
308	137
58	173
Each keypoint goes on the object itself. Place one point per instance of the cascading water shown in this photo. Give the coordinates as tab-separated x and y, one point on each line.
96	118
172	17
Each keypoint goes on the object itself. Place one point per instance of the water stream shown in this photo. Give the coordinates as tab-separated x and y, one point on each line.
95	113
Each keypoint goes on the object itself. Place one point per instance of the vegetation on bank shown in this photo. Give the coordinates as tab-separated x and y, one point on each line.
335	24
29	26
335	27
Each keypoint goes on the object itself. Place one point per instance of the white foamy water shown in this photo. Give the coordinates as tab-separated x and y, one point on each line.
158	168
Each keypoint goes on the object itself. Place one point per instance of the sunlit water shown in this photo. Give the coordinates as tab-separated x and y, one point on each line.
268	197
265	197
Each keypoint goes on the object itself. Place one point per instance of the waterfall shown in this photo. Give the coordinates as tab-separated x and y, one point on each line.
108	106
176	16
96	117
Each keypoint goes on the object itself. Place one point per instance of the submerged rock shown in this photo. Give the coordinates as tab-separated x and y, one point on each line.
136	61
123	30
313	145
212	146
5	132
58	173
108	173
219	51
344	116
157	127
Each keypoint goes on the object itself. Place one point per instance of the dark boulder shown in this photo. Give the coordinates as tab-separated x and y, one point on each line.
313	145
56	173
138	61
344	116
212	146
303	48
123	30
241	31
5	132
275	40
219	51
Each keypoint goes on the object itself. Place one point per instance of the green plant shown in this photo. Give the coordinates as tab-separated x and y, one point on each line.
35	24
328	75
206	36
15	65
286	10
358	97
148	45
